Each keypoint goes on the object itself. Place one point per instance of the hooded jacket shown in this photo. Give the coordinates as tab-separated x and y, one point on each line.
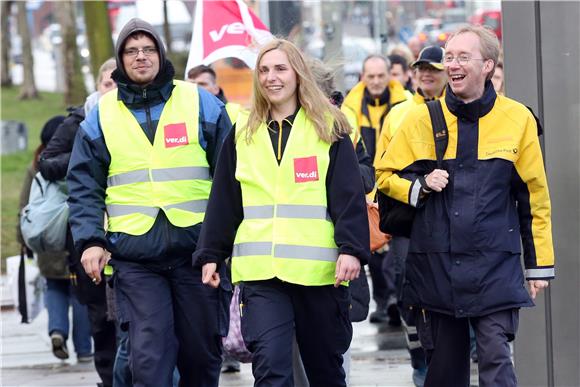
164	245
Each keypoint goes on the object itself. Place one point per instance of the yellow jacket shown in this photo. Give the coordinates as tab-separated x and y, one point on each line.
369	126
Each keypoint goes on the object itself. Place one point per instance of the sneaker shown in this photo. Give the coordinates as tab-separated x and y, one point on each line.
230	366
379	316
88	358
419	376
394	315
58	346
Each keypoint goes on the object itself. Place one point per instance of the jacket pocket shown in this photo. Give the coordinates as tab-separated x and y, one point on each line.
424	328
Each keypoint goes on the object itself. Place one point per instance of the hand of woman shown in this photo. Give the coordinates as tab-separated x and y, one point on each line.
209	276
347	268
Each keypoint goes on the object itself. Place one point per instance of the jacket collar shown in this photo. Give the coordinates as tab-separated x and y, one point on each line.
474	110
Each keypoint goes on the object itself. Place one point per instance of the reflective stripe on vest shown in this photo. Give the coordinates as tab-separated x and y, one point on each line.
286	211
285	251
167	174
286	231
171	175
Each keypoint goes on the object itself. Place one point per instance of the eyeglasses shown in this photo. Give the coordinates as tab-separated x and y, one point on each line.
462	59
133	52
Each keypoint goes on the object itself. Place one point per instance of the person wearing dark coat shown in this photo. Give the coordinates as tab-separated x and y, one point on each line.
53	165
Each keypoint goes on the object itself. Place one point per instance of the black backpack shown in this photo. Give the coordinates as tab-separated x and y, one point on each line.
396	218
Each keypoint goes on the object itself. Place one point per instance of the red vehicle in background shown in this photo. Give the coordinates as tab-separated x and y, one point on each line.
490	18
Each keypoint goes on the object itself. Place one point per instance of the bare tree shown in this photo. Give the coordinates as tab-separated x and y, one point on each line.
166	28
98	34
5	55
28	90
74	85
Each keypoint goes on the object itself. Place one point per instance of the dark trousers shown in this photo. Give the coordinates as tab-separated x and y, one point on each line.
273	311
394	270
446	341
173	320
409	315
382	289
105	341
102	329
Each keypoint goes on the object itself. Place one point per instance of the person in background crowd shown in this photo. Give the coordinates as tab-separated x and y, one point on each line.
399	70
473	217
359	287
206	77
497	79
415	45
54	267
432	79
145	155
370	101
284	207
53	165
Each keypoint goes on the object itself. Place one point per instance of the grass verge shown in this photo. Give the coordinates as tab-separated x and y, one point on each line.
34	113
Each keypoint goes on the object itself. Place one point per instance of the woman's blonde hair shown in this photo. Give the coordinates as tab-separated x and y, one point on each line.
315	104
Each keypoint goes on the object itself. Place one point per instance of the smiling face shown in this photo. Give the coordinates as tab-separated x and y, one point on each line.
141	69
375	76
467	80
278	80
430	80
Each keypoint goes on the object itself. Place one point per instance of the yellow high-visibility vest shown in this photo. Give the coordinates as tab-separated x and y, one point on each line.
233	109
172	174
286	232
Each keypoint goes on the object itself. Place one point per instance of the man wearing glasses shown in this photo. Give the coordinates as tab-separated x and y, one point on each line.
473	215
145	157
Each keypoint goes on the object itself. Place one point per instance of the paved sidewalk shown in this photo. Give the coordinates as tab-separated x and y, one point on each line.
379	358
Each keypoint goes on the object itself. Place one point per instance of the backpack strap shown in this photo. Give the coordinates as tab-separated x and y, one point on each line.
440	132
37	180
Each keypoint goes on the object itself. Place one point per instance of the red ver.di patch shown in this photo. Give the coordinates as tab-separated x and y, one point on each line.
305	169
175	135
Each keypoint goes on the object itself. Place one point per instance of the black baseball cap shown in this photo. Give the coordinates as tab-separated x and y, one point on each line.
432	55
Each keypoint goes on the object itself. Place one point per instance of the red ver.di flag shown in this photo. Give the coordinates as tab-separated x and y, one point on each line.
224	29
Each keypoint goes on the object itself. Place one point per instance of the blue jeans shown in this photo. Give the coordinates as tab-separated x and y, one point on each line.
58	298
121	371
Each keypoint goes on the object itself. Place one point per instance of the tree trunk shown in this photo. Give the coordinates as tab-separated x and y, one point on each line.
166	28
5	64
74	85
98	34
28	90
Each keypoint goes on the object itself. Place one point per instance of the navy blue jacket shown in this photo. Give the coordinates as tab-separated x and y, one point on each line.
164	245
466	243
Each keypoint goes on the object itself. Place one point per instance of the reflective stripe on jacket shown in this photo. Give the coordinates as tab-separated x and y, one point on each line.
172	174
286	231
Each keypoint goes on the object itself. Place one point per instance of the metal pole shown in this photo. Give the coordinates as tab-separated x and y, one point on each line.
548	293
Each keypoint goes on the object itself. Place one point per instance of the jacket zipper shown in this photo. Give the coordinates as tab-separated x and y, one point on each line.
148	115
279	140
